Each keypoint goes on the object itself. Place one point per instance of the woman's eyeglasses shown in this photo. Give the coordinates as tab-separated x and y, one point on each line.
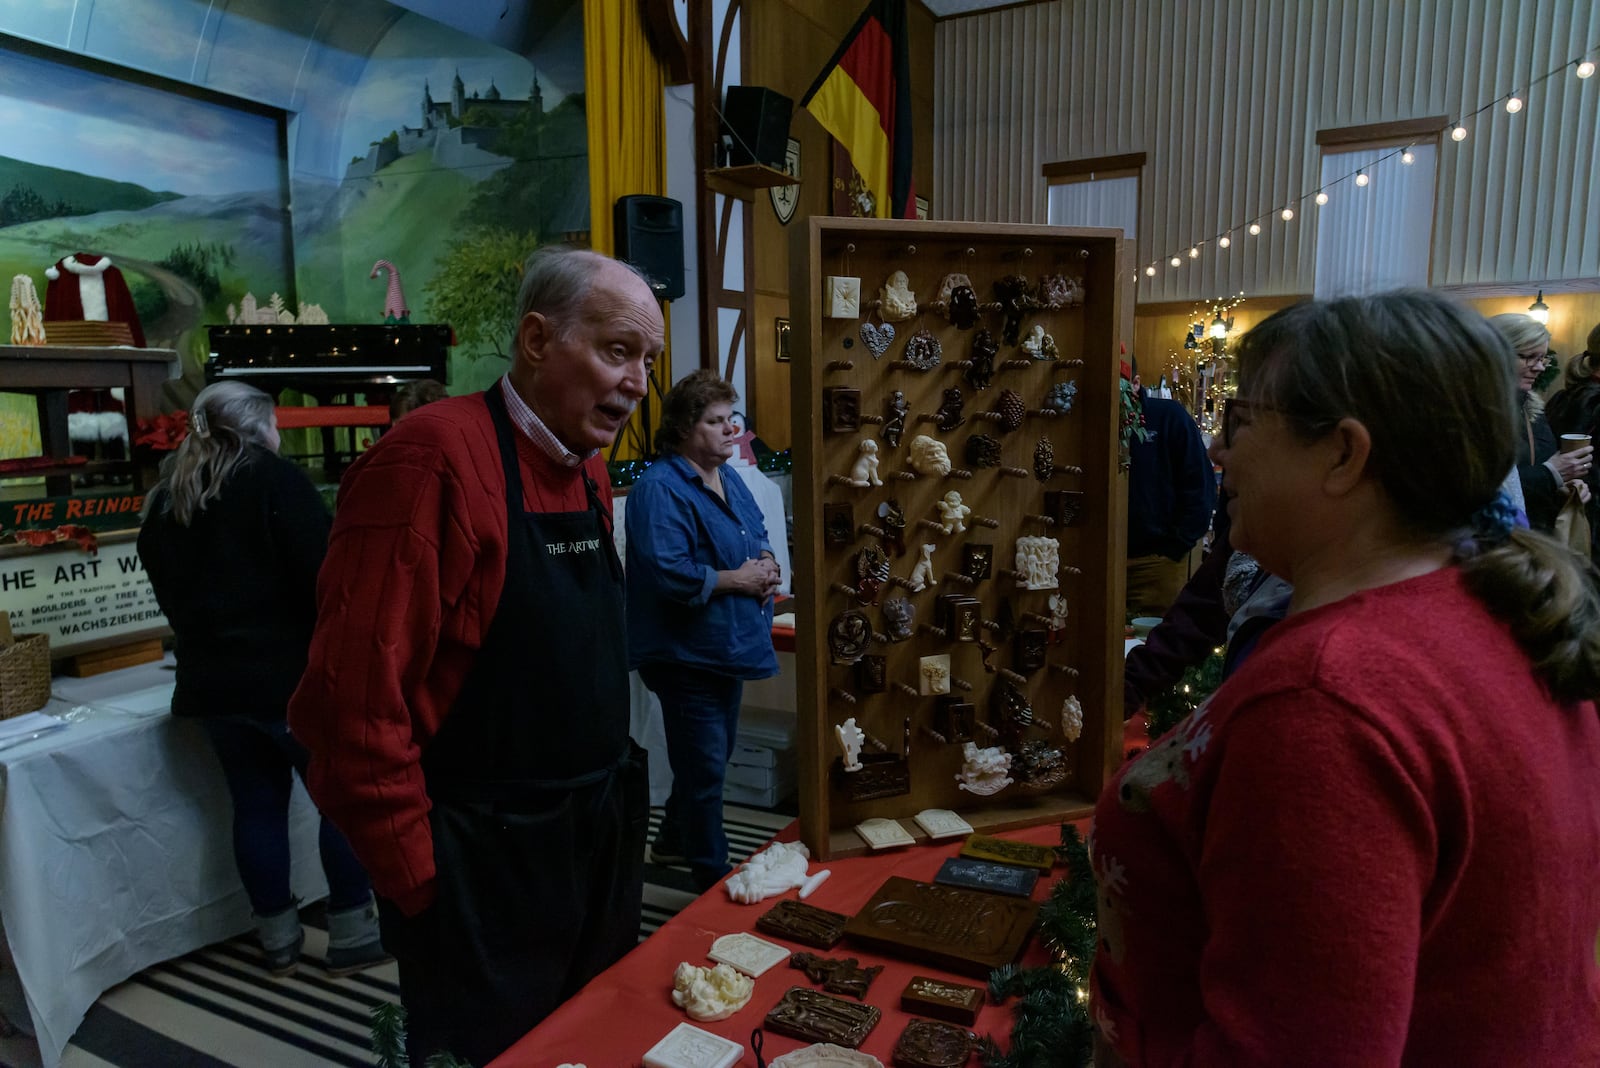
1533	357
1233	409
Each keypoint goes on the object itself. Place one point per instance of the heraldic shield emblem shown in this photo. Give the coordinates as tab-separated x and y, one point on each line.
786	197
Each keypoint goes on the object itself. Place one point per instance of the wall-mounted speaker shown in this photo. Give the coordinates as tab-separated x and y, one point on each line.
757	119
649	235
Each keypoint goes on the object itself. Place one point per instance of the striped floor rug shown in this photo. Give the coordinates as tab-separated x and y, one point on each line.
217	1008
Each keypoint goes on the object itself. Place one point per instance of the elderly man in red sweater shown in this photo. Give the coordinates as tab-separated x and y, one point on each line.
466	699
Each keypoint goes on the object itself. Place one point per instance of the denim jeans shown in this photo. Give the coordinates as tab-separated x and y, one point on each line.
259	760
700	714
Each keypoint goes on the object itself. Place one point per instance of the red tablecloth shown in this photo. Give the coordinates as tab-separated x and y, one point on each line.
628	1008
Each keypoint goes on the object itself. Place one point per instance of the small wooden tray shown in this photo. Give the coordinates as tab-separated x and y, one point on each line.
806	924
964	931
813	1016
1005	851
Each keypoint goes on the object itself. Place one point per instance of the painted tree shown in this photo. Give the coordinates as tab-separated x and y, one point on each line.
475	287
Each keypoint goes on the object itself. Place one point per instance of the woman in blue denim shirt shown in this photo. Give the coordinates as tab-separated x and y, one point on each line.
700	580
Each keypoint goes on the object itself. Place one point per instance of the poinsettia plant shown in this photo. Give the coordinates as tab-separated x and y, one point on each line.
163	433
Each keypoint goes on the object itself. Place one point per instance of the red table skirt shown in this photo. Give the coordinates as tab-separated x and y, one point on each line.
628	1008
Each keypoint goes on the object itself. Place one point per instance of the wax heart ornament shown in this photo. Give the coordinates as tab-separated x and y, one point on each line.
877	337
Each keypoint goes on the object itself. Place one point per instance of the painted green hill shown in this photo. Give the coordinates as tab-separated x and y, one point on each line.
83	191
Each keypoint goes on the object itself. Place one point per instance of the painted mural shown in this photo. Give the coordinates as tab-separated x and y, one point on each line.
458	159
185	195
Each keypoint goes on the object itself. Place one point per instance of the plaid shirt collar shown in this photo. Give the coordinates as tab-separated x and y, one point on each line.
530	427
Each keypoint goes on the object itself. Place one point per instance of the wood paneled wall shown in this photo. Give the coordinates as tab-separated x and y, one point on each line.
1226	98
789	41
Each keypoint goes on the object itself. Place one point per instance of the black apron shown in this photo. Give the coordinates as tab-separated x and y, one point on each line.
540	799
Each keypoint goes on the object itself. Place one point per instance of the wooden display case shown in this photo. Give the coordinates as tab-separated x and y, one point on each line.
834	521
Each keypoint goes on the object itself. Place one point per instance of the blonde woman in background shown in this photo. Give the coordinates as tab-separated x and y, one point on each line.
1547	474
232	542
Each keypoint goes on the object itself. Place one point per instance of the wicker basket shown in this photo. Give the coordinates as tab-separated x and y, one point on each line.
24	675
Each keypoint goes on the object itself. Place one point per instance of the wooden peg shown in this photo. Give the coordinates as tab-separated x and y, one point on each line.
1016	472
1035	617
988	731
909	691
875	745
984	521
875	420
1071	569
960	578
1063	364
1012	676
844	588
841	365
929	524
1047	520
961	684
1015	365
1071	672
906	476
960	473
843	695
929	628
935	735
1037	413
868	528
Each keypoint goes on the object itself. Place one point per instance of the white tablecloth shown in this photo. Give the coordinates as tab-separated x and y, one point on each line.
116	850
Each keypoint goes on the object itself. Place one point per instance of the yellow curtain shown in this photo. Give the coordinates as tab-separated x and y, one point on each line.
623	83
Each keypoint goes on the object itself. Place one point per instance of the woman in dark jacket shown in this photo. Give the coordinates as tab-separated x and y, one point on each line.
1576	410
1547	475
232	541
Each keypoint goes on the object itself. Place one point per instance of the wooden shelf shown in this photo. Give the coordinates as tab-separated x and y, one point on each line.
742	182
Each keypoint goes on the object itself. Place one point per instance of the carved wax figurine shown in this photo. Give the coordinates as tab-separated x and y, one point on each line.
935	674
896	301
949	413
770	872
844	297
894	418
953	514
714	993
898	614
1072	718
928	456
984	772
1039	345
984	350
1038	559
1061	396
850	738
922	575
865	472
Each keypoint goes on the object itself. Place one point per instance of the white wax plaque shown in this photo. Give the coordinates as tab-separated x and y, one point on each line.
884	834
749	954
941	823
844	296
687	1046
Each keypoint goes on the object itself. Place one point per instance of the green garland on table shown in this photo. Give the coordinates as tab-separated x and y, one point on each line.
1051	1027
1168	708
389	1041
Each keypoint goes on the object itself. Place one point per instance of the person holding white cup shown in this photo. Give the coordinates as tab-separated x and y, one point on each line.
1548	473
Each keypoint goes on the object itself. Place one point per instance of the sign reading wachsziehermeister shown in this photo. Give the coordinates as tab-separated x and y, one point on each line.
80	598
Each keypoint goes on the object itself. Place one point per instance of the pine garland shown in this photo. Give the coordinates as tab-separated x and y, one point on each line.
1050	1026
389	1041
1167	709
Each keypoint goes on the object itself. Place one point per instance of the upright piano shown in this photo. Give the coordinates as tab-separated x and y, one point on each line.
332	364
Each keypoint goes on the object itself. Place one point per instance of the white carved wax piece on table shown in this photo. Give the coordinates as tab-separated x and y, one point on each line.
825	1055
1072	718
884	834
929	457
714	993
687	1046
934	674
984	772
811	884
1038	559
850	738
844	297
27	318
865	471
922	575
749	954
781	866
940	823
952	513
896	302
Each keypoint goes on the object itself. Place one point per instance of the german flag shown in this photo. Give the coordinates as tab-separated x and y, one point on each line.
863	98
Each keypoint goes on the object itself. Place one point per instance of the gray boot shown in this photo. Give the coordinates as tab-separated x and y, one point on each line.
281	937
353	940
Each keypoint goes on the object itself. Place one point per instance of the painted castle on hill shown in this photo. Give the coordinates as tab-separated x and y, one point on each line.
462	132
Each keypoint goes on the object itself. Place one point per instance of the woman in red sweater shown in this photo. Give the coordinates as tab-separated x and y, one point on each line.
1377	844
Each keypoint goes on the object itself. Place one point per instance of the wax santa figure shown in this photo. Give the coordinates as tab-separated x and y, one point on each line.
88	287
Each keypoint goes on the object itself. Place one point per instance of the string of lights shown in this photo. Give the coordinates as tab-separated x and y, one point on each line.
1513	101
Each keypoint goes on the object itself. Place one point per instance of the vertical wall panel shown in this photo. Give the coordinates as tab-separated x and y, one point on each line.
1225	98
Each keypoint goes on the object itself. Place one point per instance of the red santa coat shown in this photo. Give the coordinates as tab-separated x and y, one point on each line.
87	287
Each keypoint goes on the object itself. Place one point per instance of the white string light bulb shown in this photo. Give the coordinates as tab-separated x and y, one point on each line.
1286	214
1176	262
1586	68
1458	134
1255	228
1322	198
1408	157
1362	179
1150	271
1194	252
1224	242
1513	104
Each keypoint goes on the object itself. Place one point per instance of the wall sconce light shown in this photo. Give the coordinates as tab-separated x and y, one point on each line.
780	348
1220	326
1539	311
